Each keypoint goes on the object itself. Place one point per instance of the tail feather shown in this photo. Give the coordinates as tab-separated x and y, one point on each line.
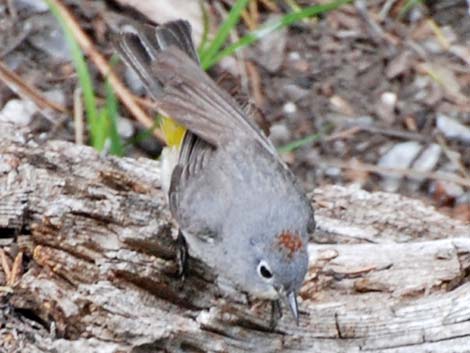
177	33
166	61
139	46
138	52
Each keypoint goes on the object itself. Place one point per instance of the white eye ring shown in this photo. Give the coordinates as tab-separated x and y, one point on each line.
264	271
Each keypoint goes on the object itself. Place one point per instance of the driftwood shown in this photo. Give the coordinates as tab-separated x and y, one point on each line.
387	273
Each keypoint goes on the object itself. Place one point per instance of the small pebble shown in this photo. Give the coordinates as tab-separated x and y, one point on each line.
365	120
48	37
452	129
389	98
426	162
333	172
269	52
125	127
18	112
428	159
57	96
294	55
297	62
31	6
385	107
289	108
399	156
279	134
341	105
294	92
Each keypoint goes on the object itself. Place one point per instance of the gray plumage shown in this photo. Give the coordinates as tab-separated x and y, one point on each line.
237	204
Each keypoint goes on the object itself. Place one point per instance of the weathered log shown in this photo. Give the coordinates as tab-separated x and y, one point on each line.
387	273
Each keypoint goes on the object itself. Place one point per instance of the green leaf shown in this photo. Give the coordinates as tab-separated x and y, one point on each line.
223	32
284	21
112	117
292	146
84	77
205	28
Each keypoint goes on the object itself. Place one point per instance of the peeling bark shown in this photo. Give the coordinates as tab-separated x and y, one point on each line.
387	274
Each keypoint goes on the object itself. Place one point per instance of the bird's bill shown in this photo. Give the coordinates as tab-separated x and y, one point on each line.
294	308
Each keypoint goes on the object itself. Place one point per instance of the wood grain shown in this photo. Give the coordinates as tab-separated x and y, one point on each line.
387	273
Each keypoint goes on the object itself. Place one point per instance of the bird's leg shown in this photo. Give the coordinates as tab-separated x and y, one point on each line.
182	255
276	313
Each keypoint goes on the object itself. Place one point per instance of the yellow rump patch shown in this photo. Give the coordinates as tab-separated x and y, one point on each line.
173	132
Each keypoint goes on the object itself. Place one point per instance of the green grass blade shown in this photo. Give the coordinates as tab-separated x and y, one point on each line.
205	28
284	21
101	129
223	32
292	146
112	117
84	77
407	7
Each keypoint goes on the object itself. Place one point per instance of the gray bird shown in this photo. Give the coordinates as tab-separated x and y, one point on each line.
238	206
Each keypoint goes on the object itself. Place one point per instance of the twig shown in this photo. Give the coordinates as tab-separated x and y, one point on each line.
393	133
103	66
386	9
270	5
344	134
411	173
255	81
25	91
451	157
14	43
438	33
249	20
12	9
378	35
374	29
254	13
147	103
16	269
6	264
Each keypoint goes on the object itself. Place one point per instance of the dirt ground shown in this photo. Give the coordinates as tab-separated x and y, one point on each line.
387	93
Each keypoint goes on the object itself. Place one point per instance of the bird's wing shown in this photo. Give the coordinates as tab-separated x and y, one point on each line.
195	153
167	63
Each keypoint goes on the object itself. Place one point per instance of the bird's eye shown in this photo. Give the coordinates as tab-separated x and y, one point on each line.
264	271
